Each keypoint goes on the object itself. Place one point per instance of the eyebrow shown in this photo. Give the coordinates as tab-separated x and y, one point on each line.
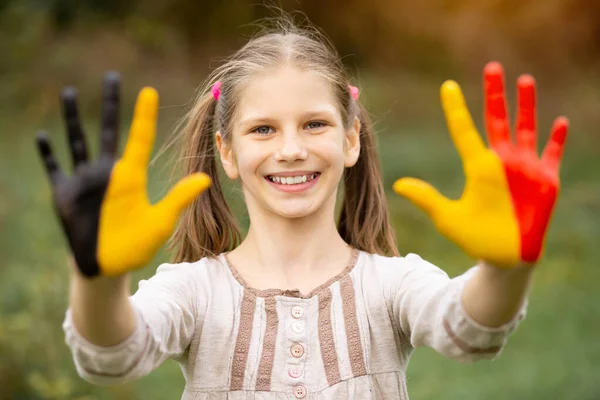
269	120
319	113
252	121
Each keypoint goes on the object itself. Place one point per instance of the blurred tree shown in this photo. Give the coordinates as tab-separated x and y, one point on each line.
64	13
427	35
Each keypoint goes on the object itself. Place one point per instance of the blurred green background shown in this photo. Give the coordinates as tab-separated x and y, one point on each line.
399	52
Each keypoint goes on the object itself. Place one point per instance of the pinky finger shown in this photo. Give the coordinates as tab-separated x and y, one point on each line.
554	149
45	150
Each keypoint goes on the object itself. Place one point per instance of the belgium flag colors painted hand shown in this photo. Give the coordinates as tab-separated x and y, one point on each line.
503	213
103	206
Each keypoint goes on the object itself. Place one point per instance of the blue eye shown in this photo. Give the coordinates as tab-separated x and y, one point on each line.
315	125
263	130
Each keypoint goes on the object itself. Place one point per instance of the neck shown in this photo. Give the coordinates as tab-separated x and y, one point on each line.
282	246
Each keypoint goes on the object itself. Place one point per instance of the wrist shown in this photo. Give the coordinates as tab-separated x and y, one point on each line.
522	267
521	272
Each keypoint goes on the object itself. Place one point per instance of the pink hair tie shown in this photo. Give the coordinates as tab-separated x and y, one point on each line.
216	90
354	92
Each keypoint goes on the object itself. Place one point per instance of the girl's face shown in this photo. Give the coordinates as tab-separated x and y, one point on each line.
288	145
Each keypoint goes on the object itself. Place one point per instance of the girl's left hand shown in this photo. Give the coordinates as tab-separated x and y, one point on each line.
504	211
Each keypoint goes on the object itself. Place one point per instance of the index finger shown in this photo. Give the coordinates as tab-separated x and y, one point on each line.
460	124
143	128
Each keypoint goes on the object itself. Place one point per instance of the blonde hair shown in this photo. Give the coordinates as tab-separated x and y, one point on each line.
208	227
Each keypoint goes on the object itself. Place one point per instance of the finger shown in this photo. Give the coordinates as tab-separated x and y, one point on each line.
110	114
460	124
143	128
497	126
183	193
422	194
554	149
45	150
77	144
526	118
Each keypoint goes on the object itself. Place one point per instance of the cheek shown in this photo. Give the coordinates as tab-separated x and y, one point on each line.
249	156
331	148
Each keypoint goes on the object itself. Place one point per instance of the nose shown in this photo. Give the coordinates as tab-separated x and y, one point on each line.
292	148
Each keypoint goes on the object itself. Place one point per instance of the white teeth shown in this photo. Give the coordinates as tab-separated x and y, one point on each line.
292	180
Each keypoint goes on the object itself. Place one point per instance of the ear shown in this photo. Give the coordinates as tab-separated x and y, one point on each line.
226	153
352	143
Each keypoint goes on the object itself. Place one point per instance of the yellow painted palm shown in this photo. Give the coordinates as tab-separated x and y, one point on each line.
482	221
131	229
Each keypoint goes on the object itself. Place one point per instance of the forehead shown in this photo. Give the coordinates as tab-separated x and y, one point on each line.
286	91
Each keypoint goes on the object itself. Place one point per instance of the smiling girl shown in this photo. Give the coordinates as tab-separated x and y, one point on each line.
304	306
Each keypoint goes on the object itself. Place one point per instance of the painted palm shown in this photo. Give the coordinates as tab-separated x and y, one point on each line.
104	209
503	213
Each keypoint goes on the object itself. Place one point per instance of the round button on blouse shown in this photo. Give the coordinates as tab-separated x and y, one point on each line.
297	350
298	326
300	391
297	312
295	372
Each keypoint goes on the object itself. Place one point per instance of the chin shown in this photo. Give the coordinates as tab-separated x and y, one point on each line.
295	211
303	207
294	214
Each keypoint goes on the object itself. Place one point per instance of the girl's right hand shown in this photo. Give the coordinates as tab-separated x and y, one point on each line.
104	209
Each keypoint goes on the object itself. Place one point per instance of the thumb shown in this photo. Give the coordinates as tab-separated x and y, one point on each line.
183	193
422	194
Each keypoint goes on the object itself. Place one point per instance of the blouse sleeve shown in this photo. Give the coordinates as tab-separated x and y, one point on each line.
167	307
427	304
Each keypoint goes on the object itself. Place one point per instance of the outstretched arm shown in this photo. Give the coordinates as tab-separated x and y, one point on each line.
504	211
494	295
100	305
113	229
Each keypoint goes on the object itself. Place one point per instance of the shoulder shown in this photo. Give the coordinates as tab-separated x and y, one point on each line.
205	265
397	269
188	274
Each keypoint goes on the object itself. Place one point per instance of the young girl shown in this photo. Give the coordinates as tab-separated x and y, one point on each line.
302	307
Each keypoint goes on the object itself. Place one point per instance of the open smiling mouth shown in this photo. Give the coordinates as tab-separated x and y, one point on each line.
292	180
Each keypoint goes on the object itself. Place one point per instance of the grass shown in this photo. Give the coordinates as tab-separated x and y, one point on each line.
555	353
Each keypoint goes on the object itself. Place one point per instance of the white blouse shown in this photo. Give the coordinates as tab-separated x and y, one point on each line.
350	338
